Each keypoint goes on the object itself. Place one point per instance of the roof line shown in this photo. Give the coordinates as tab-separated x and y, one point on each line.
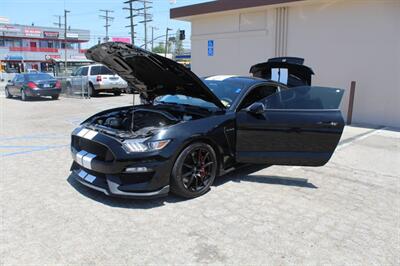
222	5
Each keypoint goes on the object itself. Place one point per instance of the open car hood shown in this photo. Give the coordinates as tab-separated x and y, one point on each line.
152	75
298	74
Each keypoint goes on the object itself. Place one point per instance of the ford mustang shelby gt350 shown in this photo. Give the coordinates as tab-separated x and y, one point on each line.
192	130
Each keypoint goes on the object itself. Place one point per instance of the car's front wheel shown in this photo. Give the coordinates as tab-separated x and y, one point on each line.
24	97
8	94
194	170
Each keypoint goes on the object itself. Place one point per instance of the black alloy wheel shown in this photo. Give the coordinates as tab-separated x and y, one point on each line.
194	170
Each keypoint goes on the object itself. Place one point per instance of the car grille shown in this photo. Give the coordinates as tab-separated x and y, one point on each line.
102	152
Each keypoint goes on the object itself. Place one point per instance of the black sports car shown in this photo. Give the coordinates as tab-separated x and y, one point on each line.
193	130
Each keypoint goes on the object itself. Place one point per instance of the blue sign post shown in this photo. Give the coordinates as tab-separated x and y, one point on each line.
210	47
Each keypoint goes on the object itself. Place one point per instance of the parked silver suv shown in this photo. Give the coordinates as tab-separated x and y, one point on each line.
94	79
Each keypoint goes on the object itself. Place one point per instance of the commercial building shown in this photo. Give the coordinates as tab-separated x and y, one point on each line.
342	40
31	47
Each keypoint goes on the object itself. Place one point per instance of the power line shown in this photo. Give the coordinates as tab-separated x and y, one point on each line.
59	24
131	16
108	19
140	12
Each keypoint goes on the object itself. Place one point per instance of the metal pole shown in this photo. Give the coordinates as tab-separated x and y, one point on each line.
65	41
166	41
351	103
132	26
152	39
145	24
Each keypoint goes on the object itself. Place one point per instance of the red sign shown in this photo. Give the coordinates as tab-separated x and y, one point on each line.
51	34
32	32
121	39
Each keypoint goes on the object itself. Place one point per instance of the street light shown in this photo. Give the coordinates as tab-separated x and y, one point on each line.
166	41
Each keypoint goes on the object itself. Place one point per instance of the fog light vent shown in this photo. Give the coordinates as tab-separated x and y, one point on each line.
137	170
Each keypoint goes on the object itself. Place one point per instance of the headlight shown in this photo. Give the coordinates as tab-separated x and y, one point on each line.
142	145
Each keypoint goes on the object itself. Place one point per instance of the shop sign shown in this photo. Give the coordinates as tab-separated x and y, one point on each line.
72	35
52	56
51	34
31	32
121	39
7	28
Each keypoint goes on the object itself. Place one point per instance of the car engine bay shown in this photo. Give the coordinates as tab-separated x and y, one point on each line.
135	122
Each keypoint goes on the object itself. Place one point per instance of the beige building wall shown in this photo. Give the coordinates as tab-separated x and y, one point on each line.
341	40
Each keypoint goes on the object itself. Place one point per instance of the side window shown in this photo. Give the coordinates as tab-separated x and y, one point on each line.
94	70
84	71
78	72
305	97
257	94
19	78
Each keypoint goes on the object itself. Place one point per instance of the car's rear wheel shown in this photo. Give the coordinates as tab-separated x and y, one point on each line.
194	170
24	97
7	93
117	93
55	97
92	91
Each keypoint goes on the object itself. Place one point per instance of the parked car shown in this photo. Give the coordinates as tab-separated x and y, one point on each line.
96	78
29	85
194	130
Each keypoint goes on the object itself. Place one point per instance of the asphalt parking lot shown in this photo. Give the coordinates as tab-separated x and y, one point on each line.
347	212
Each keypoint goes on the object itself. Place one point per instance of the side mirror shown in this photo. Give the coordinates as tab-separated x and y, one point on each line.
256	108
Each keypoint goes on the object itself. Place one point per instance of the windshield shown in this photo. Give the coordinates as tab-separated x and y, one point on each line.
226	90
38	76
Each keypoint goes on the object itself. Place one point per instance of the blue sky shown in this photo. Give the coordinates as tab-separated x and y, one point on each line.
85	15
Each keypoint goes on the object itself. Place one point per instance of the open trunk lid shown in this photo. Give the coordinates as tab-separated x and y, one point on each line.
151	74
287	70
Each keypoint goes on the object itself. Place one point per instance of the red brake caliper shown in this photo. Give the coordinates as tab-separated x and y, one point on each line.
202	169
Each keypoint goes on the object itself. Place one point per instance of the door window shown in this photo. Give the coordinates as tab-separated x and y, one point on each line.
19	78
84	71
305	97
257	94
78	72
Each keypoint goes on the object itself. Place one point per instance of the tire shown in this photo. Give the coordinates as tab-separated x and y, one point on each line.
194	170
7	93
69	90
24	97
117	93
55	97
92	91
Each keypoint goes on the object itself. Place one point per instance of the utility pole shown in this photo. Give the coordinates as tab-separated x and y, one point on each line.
59	24
131	16
108	19
143	12
152	37
65	40
166	41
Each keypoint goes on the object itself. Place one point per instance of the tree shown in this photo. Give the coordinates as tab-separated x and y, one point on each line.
160	48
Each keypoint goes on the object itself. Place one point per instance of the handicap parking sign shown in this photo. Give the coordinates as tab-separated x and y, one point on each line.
210	47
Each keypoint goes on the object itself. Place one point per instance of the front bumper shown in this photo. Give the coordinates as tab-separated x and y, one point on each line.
101	164
42	92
